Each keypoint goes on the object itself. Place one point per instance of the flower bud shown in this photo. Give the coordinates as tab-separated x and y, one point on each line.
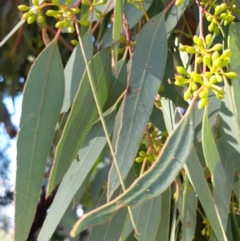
199	60
31	19
218	10
71	29
203	93
187	94
182	70
211	26
139	159
226	53
75	10
40	19
231	75
215	55
190	50
218	77
179	2
35	2
208	39
74	42
223	6
216	47
202	103
59	24
25	16
23	8
209	18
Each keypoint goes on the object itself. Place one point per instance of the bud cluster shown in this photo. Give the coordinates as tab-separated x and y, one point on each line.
216	61
65	15
222	13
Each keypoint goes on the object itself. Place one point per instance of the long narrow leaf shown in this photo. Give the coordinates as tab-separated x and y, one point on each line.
150	55
42	102
75	176
82	116
153	182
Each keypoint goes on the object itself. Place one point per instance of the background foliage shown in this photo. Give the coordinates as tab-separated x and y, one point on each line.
137	126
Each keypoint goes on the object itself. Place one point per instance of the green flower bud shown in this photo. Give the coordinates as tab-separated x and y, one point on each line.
75	10
217	63
218	10
203	93
51	13
139	159
179	2
218	77
200	42
207	75
74	42
187	94
196	77
195	39
215	55
209	18
40	19
59	24
25	16
23	8
207	60
31	19
194	87
142	154
216	47
223	6
208	39
35	2
231	75
71	29
183	48
225	62
212	79
190	50
216	29
66	23
223	15
229	18
226	53
202	103
182	70
211	26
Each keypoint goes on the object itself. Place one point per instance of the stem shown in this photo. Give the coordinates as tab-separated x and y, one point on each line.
144	11
93	87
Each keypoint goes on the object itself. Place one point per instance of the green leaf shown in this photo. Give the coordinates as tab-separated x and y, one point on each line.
174	16
153	182
133	14
75	70
157	119
149	59
82	116
218	174
164	226
42	102
197	178
75	176
148	219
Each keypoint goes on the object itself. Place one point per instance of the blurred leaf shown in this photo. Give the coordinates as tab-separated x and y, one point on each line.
133	15
153	182
197	178
218	175
75	176
145	78
157	119
174	15
164	226
75	70
82	116
148	219
42	102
